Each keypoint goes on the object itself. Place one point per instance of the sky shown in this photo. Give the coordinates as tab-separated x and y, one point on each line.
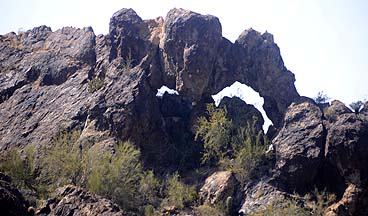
323	42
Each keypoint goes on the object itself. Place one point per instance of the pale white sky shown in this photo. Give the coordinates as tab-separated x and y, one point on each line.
323	42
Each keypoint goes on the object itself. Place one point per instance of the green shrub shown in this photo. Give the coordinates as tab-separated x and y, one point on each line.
249	155
214	131
22	170
330	114
288	207
150	210
321	98
126	63
206	210
241	150
117	176
95	84
318	201
314	203
179	194
62	162
149	188
356	106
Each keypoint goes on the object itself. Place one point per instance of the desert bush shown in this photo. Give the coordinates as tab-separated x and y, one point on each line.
150	210
356	106
117	176
149	188
246	162
205	210
22	170
330	114
95	84
62	163
214	131
318	201
179	194
241	150
288	207
314	203
321	98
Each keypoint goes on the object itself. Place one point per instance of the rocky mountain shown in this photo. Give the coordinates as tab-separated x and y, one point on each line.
106	86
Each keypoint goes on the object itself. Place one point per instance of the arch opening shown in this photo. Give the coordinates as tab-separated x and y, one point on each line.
248	95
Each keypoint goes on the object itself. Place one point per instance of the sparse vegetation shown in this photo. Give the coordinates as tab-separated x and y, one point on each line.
127	63
21	169
330	114
205	210
95	84
288	207
356	106
241	150
314	203
62	163
321	98
214	131
116	176
179	194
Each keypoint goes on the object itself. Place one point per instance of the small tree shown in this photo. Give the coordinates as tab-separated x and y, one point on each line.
321	98
356	106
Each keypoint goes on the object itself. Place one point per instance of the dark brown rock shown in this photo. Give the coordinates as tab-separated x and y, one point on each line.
189	47
265	72
300	146
242	114
72	200
347	149
12	202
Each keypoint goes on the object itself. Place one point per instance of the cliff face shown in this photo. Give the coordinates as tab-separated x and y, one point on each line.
106	87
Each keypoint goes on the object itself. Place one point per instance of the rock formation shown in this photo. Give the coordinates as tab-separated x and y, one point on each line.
45	78
106	87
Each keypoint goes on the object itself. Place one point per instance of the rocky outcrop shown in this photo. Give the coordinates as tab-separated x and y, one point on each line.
72	200
347	148
48	81
316	149
12	202
300	146
189	48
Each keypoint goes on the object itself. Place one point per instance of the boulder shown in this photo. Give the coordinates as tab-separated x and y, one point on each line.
218	187
299	146
347	149
189	47
261	195
242	114
72	200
